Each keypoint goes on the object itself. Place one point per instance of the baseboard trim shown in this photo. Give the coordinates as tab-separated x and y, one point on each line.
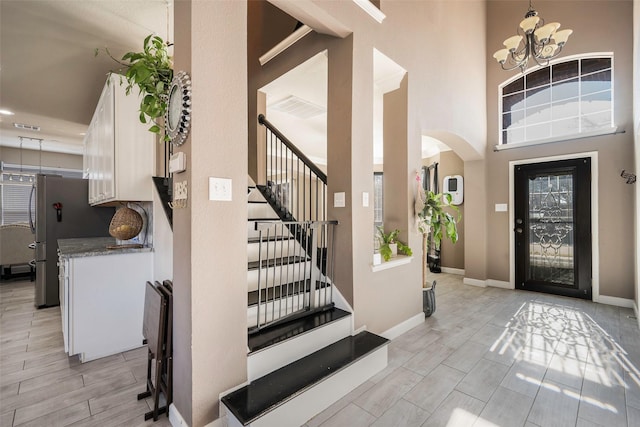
403	327
618	302
220	422
499	284
448	270
475	282
175	418
635	310
360	329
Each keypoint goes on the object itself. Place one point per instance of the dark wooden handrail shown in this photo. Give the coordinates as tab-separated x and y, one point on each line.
295	150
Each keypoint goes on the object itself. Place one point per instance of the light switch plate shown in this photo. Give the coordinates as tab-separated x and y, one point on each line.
501	207
220	189
339	200
365	199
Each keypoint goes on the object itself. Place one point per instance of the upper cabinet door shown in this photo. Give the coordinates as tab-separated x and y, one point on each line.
119	150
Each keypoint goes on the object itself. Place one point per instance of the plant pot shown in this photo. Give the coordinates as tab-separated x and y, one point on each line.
394	249
429	300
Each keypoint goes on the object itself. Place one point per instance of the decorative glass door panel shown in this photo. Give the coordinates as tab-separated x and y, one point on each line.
553	227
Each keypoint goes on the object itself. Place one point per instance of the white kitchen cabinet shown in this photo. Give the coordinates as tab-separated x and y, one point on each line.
102	302
119	151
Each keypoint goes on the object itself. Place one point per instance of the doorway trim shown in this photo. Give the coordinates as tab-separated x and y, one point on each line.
595	254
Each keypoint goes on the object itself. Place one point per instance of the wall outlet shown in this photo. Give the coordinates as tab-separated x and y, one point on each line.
180	190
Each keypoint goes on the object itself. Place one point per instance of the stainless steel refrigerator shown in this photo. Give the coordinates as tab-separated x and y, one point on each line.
62	211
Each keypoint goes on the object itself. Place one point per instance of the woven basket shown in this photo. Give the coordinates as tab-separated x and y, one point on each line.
125	224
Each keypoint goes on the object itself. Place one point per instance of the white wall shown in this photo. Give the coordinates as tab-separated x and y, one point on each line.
162	242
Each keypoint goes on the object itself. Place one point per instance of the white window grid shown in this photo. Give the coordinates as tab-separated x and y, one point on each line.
579	117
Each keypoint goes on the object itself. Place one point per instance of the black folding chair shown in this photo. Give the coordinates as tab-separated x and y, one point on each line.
154	330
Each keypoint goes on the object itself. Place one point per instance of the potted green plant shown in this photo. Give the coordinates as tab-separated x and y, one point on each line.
390	245
433	219
151	71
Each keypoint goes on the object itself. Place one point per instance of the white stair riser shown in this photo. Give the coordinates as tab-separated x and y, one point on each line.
273	249
290	304
275	309
298	271
261	210
314	400
255	196
275	357
275	231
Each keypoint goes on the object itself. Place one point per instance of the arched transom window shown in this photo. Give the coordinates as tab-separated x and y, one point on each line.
561	101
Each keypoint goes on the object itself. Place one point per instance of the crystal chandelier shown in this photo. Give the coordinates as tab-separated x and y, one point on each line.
535	39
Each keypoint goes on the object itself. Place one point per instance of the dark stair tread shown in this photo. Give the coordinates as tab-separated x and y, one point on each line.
284	331
277	262
270	391
269	239
274	220
270	197
264	202
286	289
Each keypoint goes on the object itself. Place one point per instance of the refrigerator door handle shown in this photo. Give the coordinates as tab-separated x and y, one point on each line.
32	223
41	251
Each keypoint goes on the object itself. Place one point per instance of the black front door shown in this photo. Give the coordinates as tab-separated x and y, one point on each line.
552	227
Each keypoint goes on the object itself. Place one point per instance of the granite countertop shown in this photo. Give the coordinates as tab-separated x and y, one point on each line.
93	246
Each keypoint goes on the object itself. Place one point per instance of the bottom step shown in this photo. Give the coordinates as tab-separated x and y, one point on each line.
295	393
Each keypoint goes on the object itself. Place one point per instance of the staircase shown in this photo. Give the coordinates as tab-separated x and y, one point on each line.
302	354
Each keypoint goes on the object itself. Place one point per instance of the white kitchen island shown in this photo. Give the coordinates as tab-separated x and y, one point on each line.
102	296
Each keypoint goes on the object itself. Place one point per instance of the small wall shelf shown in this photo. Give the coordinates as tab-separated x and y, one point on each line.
392	263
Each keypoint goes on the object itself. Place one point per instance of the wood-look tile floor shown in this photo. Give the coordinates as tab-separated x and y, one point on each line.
506	358
41	386
487	357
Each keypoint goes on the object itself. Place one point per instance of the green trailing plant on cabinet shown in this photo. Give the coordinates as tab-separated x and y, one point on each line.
151	71
388	239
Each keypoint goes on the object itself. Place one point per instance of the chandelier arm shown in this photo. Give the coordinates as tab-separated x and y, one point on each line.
557	51
516	65
519	56
538	48
544	62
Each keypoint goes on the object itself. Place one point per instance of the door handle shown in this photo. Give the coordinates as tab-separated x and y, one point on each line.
518	230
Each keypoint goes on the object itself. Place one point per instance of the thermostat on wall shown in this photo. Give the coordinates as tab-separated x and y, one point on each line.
454	185
178	162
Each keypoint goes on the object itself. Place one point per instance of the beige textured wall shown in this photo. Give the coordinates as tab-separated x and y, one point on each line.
182	294
478	246
210	255
32	157
267	26
387	298
395	161
449	99
636	121
615	152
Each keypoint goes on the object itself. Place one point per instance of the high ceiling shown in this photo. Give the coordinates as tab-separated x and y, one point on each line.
49	76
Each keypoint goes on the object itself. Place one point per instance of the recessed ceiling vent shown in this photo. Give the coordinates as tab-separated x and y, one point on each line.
298	107
27	127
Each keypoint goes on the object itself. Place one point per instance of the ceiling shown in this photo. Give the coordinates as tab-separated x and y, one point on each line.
49	76
303	119
51	79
